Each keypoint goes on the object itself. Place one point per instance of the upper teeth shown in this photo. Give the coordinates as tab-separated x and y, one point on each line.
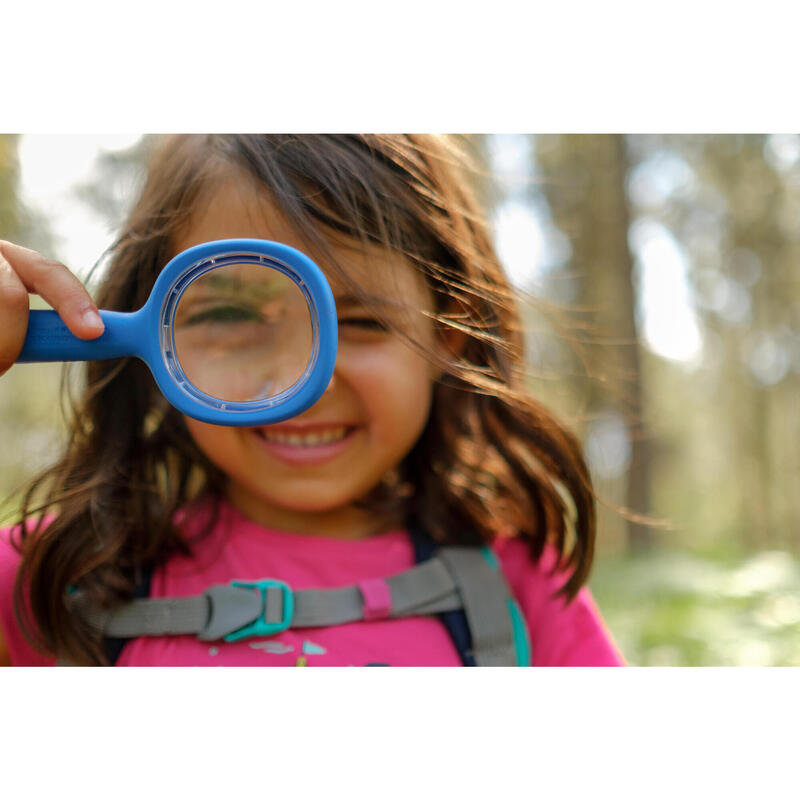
305	439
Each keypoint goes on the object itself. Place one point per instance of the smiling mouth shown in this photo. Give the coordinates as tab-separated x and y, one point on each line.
315	438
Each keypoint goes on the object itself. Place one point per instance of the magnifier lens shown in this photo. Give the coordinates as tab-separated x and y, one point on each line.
243	332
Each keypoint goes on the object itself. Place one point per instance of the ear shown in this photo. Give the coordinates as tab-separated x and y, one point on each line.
453	339
450	341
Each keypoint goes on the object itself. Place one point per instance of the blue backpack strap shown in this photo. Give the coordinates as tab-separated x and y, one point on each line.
454	621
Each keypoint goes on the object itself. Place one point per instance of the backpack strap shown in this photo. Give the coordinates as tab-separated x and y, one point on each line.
261	608
455	621
113	645
463	586
488	606
489	629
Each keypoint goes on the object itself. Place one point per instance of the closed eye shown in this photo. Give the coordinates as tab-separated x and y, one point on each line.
364	323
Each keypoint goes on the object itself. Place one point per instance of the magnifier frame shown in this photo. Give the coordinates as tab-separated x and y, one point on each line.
148	333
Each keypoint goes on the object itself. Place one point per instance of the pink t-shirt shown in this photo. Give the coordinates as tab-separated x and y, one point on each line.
238	548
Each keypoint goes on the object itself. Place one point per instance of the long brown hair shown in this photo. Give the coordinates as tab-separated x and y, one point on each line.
491	460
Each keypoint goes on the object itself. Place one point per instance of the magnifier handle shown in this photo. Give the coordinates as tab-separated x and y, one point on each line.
49	339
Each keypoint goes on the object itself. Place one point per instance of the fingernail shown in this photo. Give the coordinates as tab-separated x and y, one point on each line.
92	319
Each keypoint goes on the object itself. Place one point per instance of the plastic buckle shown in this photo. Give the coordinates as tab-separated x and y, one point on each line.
260	627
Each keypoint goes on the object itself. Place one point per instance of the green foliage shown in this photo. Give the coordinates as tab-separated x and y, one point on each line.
31	426
10	212
673	608
32	429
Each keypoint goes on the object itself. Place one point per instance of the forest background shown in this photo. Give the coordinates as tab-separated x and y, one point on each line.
663	323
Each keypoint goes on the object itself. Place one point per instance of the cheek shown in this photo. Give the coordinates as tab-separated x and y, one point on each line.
216	441
395	389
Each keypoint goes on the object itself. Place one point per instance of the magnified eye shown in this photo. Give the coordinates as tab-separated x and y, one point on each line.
243	332
223	314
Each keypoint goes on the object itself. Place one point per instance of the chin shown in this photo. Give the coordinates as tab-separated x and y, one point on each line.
308	502
305	507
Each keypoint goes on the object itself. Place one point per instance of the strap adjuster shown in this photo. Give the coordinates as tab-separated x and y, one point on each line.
260	626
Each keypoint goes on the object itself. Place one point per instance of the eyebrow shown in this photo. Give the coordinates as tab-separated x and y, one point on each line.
258	290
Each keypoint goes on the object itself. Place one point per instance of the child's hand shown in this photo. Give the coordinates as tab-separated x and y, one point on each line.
23	271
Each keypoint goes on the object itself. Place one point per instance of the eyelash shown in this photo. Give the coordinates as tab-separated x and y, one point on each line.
368	323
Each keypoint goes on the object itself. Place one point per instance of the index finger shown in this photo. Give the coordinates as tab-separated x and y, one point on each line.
52	281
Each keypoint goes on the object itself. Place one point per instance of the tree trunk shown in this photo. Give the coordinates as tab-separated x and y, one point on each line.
585	187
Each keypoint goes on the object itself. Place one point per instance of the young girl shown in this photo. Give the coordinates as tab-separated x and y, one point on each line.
425	426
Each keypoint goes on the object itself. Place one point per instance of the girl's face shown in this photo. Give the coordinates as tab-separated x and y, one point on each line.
304	474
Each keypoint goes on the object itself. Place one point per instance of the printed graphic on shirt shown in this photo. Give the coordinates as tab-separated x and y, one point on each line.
276	648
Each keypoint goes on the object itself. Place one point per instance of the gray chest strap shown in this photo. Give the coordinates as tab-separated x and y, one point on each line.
453	579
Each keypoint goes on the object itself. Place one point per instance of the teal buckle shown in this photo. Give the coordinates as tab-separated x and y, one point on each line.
260	627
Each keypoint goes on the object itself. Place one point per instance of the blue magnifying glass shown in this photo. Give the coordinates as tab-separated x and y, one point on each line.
235	332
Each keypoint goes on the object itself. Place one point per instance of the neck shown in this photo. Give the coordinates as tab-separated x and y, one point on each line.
346	522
